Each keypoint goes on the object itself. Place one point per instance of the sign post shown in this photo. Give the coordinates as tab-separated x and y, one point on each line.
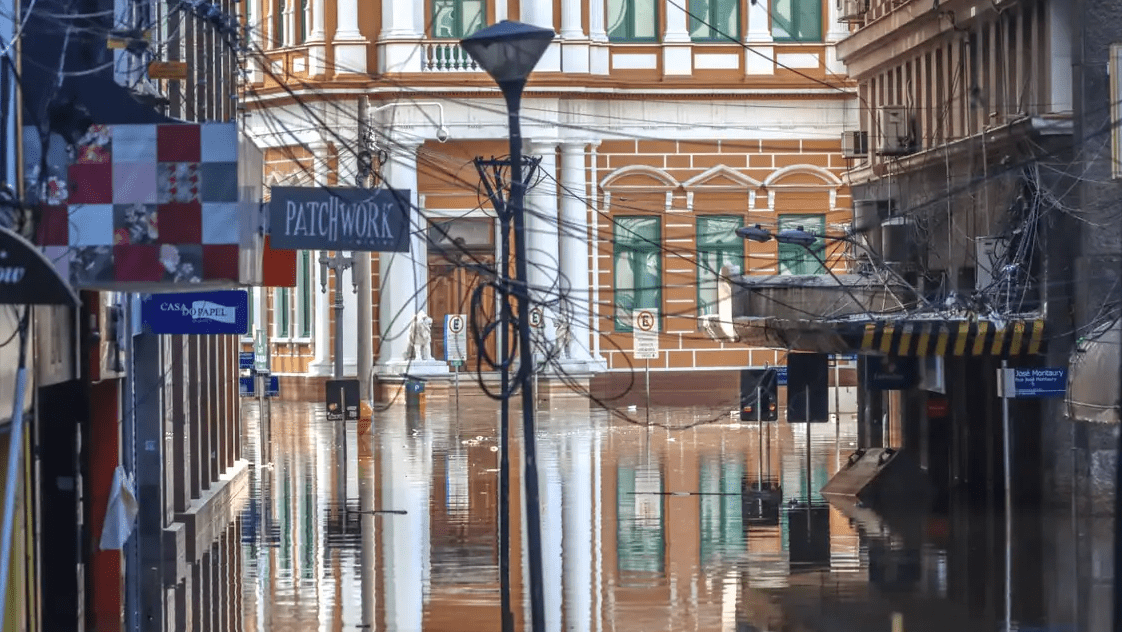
455	347
644	337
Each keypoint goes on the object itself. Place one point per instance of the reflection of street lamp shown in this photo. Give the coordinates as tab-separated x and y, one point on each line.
508	51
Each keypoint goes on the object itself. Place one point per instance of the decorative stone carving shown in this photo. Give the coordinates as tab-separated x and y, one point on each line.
420	337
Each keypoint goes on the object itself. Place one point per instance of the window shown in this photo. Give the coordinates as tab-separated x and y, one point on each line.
794	259
635	20
720	483
640	529
717	245
279	23
796	20
455	19
714	19
638	266
282	311
304	289
303	17
251	313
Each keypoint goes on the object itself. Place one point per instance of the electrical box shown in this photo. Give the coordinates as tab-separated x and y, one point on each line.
855	144
896	131
988	251
852	10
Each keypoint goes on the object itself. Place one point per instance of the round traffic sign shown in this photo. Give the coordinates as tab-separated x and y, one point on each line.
455	324
536	317
645	320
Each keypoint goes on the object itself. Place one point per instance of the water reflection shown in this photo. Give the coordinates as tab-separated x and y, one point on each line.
715	527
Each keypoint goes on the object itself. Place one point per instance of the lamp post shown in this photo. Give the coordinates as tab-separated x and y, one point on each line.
508	51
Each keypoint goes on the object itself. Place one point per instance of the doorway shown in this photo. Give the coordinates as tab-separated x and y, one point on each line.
461	258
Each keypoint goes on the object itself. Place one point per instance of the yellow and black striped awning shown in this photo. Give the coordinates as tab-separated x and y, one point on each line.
952	338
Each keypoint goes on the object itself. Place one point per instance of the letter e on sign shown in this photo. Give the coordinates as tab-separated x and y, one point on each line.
644	334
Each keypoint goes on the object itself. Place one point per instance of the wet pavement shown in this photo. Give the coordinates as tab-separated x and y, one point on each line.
697	522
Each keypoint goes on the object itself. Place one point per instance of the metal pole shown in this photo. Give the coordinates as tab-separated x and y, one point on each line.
1008	502
507	613
648	372
337	265
759	439
806	390
513	93
837	412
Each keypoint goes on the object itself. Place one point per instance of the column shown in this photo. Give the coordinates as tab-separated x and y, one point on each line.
574	247
553	533
316	48
400	37
542	234
598	53
540	13
836	31
677	52
759	55
349	327
574	43
349	44
321	362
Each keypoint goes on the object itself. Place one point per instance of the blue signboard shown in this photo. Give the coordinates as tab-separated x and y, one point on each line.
339	218
245	361
245	385
225	312
1046	382
781	375
891	374
273	389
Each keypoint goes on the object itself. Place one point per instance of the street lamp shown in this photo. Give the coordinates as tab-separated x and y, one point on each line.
508	51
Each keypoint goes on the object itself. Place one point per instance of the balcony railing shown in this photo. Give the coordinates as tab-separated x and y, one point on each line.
446	56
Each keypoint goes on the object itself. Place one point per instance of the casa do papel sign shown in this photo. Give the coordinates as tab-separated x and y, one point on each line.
197	313
334	218
29	278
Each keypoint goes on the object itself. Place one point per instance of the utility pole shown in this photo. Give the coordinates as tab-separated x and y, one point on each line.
361	272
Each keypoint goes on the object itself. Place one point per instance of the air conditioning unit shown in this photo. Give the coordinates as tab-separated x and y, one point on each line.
855	144
896	131
852	10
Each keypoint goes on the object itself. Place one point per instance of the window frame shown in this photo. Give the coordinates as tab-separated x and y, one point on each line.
250	315
631	37
796	19
461	30
712	9
624	325
785	221
282	313
737	246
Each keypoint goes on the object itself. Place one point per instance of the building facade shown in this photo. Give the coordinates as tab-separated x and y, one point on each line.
660	127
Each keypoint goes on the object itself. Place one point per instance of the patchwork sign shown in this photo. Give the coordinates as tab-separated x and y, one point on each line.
152	205
336	218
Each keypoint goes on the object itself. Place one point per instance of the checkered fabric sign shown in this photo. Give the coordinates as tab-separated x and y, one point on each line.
147	204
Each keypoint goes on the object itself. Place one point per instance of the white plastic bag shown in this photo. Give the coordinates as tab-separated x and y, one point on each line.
121	512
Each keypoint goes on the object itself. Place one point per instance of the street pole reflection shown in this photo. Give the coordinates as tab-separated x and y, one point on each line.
578	528
405	461
367	559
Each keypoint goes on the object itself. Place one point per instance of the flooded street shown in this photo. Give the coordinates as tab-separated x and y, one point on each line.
696	523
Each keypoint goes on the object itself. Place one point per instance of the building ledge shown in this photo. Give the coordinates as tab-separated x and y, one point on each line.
210	514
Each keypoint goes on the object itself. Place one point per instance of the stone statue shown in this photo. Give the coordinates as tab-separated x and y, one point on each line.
420	337
564	337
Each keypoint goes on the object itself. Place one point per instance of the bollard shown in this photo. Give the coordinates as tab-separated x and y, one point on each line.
415	395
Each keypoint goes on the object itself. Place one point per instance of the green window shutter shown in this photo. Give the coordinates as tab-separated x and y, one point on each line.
714	20
632	20
304	290
638	266
717	246
456	19
797	20
794	259
283	312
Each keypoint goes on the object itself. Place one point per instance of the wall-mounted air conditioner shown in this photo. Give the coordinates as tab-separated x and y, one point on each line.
852	10
897	135
855	144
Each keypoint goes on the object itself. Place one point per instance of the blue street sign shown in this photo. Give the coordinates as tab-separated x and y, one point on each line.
273	390
224	312
1048	382
245	361
781	375
245	385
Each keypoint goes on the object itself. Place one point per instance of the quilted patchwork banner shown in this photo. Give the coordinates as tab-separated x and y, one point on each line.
146	206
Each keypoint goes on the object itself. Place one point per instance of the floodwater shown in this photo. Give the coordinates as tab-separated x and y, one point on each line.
697	522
